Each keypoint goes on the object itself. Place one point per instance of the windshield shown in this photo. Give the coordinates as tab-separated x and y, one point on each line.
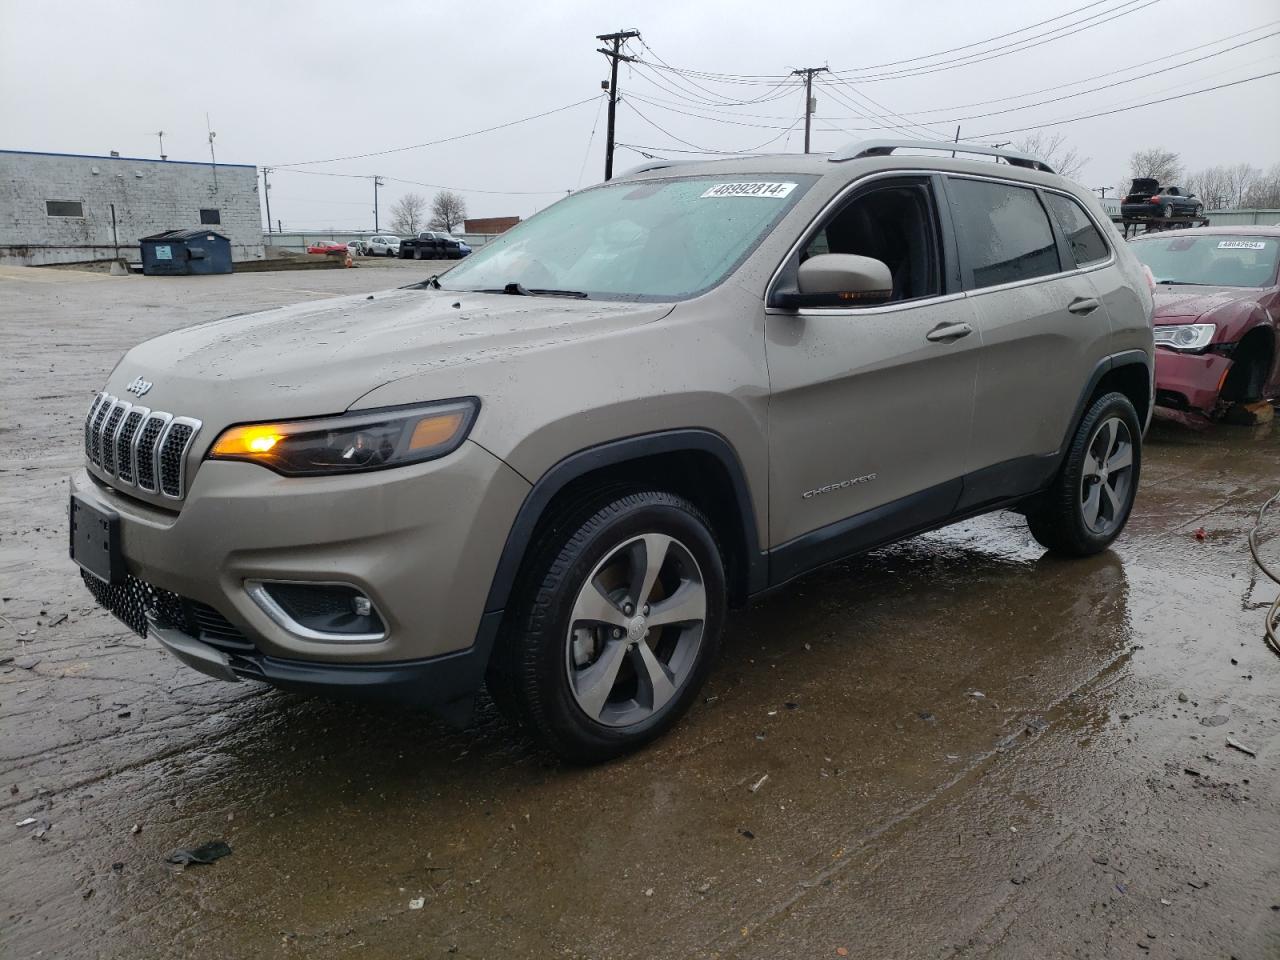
1214	260
653	240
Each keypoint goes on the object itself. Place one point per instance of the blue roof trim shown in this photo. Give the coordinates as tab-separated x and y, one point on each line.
92	156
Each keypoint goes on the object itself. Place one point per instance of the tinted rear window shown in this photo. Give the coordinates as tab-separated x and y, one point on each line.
1003	232
1087	245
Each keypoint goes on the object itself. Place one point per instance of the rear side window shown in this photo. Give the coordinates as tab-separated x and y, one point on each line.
1003	232
1087	245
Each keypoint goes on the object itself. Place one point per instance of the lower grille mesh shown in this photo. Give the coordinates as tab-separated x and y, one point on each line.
131	600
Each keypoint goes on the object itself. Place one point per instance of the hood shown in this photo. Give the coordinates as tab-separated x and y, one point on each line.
319	358
1178	303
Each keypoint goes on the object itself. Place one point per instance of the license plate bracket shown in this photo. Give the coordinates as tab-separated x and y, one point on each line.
95	540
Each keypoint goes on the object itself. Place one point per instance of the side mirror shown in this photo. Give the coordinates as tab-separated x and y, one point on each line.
839	280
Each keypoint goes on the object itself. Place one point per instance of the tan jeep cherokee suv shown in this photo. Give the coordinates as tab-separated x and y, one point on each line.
554	468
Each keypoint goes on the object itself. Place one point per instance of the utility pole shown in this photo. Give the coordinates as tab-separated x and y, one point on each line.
614	55
266	194
808	97
213	160
160	134
1102	192
953	153
377	182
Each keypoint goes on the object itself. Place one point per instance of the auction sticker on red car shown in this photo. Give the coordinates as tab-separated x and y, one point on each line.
1242	245
766	190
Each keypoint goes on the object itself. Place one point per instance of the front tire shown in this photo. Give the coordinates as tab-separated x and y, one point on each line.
616	625
1089	503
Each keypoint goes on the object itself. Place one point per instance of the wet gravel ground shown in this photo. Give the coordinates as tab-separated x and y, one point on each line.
971	749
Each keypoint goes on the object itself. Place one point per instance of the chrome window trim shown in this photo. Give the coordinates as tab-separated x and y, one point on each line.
165	418
1044	276
257	590
133	445
182	456
849	188
109	442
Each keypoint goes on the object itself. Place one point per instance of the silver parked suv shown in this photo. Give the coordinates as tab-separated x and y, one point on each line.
554	468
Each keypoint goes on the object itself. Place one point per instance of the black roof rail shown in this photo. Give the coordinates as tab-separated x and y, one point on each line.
883	148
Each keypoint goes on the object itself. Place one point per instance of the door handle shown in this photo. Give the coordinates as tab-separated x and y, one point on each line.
1083	305
947	332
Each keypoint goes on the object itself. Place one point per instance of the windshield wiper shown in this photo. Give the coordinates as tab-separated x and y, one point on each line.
427	284
520	290
1178	283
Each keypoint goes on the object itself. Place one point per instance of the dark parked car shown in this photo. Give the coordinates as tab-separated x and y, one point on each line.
1217	315
431	245
1146	198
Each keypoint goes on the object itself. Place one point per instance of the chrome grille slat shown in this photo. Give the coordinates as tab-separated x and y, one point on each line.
134	446
124	442
110	427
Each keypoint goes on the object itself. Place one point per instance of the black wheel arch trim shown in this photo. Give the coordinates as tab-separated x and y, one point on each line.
642	446
1104	366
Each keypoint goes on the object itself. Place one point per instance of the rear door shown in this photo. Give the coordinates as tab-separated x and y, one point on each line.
1043	324
873	405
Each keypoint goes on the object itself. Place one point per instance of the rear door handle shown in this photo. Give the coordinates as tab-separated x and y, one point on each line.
946	332
1083	305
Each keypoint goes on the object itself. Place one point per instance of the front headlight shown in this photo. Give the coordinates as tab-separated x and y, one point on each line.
368	440
1185	336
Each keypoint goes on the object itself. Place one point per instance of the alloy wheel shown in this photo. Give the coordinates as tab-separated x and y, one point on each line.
1106	482
635	630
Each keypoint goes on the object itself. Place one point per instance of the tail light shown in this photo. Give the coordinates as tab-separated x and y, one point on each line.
1154	200
1151	280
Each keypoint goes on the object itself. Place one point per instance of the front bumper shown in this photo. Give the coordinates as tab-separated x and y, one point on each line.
1189	381
421	541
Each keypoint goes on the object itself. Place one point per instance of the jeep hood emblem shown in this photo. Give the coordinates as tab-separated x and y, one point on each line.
139	386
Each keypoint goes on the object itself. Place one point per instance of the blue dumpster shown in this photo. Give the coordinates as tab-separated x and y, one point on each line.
182	252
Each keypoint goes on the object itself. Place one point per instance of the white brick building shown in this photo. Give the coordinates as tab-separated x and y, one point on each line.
68	208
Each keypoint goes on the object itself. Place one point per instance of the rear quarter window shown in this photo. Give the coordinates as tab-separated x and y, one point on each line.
1003	232
1087	245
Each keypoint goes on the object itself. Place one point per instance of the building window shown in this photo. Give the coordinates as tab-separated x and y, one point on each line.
210	216
64	208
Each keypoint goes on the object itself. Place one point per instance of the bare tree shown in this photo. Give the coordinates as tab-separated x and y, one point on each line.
1054	150
1210	186
447	208
1157	163
1264	192
408	214
1240	178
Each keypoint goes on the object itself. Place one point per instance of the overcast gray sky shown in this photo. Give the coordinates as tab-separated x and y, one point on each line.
291	81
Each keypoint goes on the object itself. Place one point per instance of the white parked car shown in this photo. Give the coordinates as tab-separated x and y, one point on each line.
383	245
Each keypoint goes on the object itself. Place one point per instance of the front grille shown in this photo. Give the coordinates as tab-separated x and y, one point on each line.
138	447
131	600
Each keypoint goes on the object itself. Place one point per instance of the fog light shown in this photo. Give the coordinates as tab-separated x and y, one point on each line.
331	612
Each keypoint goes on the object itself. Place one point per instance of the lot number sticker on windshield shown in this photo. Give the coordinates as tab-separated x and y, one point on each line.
1242	245
773	191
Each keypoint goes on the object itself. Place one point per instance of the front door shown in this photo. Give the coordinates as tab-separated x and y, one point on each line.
872	408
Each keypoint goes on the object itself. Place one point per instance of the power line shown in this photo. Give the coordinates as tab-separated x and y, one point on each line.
1017	46
1136	106
433	143
590	140
417	183
698	148
1099	76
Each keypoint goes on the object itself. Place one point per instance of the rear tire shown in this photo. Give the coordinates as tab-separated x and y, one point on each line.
1167	211
1090	501
579	663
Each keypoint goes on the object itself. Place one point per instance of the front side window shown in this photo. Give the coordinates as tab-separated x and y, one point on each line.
1211	260
64	208
895	225
1003	232
648	240
1087	245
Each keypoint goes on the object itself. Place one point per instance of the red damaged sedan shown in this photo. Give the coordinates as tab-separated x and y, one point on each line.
1217	315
